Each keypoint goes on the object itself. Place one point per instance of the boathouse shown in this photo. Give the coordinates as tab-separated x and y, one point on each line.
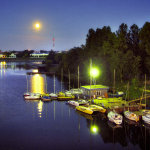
94	91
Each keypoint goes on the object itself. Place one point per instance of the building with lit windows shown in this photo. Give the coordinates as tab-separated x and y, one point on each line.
38	55
95	90
2	56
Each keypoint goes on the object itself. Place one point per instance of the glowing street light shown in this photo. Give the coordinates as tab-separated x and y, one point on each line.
94	72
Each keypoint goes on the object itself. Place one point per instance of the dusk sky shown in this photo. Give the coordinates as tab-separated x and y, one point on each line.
67	20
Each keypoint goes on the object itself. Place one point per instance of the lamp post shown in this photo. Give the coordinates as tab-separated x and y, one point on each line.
94	72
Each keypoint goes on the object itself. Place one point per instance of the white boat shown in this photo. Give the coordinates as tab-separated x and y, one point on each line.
27	94
53	96
77	103
68	93
115	117
131	116
146	118
76	91
33	96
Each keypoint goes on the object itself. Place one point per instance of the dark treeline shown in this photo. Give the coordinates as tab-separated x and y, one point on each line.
127	51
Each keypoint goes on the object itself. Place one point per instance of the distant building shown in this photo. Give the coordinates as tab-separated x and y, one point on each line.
38	55
2	56
95	90
12	55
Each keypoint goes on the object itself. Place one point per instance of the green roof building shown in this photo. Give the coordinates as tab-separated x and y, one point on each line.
95	90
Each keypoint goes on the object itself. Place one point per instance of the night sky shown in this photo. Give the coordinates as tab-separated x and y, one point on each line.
67	20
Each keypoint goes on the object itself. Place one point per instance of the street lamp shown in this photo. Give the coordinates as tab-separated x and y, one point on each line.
94	72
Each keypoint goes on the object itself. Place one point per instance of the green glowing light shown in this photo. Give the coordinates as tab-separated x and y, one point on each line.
94	129
94	72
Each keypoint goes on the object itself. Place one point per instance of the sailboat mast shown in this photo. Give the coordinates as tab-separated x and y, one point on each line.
145	91
61	78
54	83
90	76
69	78
78	78
114	81
27	82
45	84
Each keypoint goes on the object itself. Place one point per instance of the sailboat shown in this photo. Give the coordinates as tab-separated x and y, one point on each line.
53	95
115	117
146	113
31	96
78	103
45	97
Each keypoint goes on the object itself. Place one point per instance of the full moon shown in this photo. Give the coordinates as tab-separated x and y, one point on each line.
37	26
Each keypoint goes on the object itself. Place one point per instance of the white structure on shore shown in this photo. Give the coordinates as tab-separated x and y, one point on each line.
38	55
12	55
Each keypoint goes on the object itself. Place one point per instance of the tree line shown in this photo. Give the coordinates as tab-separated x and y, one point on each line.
127	51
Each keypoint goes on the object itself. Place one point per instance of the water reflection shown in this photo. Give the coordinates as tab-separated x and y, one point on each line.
40	108
3	66
37	84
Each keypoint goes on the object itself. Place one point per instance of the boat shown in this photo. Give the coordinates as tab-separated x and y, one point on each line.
115	117
68	94
97	108
76	91
33	96
78	103
84	109
53	96
146	118
63	97
91	109
45	97
27	94
131	116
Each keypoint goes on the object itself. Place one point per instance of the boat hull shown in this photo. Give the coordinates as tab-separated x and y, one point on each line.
84	109
131	116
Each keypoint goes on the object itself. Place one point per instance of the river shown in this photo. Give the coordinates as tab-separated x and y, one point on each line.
35	125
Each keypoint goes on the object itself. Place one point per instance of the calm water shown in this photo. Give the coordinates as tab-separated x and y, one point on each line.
34	125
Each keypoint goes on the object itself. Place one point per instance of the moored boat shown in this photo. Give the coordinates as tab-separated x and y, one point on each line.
131	116
46	98
27	94
33	96
97	108
91	109
84	109
63	97
78	103
53	96
115	117
146	118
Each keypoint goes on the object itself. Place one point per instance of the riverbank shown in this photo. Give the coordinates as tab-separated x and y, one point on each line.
21	59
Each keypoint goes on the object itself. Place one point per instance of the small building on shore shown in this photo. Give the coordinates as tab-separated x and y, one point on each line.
38	55
12	55
2	56
94	91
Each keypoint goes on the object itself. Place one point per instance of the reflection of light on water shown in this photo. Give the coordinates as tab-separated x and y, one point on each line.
35	70
37	84
3	67
54	110
94	129
40	108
